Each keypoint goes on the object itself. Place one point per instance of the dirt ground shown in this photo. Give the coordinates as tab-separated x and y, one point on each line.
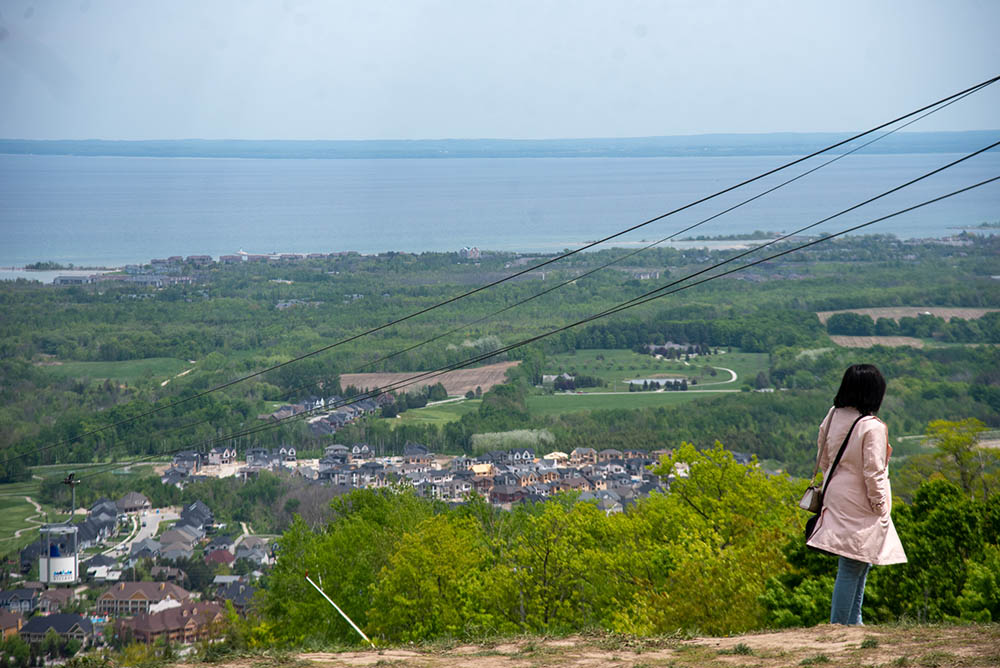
827	646
869	341
456	382
897	312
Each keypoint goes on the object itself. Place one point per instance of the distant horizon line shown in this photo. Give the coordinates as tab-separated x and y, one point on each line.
700	145
500	139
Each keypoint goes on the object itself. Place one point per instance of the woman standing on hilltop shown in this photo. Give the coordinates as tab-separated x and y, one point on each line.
854	522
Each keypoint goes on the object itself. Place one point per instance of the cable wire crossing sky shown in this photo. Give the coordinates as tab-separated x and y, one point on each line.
319	69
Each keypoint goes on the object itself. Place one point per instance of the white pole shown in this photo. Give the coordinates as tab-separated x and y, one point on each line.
342	614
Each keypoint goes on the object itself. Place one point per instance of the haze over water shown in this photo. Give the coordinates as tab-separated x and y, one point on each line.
115	210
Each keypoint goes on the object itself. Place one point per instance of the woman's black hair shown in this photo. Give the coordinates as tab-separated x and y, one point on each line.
862	387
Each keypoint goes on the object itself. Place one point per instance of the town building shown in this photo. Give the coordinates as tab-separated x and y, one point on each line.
130	598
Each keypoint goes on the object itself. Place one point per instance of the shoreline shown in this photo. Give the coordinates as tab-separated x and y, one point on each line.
713	244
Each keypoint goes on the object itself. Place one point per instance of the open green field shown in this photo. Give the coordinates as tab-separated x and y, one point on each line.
439	414
129	370
14	509
617	366
556	404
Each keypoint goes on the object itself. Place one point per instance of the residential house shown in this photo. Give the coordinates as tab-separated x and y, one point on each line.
361	452
260	457
415	453
482	485
253	542
10	624
67	625
219	456
54	600
197	515
503	494
556	458
99	560
23	601
129	598
167	574
188	460
175	477
255	549
187	623
522	456
221	542
581	456
216	557
239	593
174	551
146	548
134	502
184	535
104	506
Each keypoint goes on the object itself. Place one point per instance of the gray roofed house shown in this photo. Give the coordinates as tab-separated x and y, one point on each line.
220	543
182	532
197	514
239	593
103	505
175	477
65	624
144	549
23	601
100	560
255	555
175	551
134	501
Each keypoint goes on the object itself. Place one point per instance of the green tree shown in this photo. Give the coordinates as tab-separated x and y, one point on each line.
423	591
958	442
345	558
943	531
980	597
726	525
51	644
18	651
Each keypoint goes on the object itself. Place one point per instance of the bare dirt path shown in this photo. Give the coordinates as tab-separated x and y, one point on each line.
31	518
972	646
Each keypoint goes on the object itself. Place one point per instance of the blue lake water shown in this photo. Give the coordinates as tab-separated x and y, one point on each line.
112	210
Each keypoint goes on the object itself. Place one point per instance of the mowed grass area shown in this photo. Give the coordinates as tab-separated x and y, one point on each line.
14	509
440	414
557	404
617	366
129	370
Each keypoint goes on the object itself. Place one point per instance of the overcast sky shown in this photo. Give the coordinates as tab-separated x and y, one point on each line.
409	69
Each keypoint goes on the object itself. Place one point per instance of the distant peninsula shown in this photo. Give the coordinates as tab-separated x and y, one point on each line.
708	145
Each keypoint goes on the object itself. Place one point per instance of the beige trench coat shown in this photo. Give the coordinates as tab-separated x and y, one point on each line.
855	520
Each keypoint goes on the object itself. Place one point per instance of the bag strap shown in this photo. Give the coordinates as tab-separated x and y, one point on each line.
840	453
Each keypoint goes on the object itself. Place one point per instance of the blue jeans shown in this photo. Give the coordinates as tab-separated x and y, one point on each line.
849	591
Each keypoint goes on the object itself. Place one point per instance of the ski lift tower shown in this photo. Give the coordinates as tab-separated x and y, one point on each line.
59	563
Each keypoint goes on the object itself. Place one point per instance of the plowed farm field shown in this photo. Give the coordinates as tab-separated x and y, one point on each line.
870	341
456	382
